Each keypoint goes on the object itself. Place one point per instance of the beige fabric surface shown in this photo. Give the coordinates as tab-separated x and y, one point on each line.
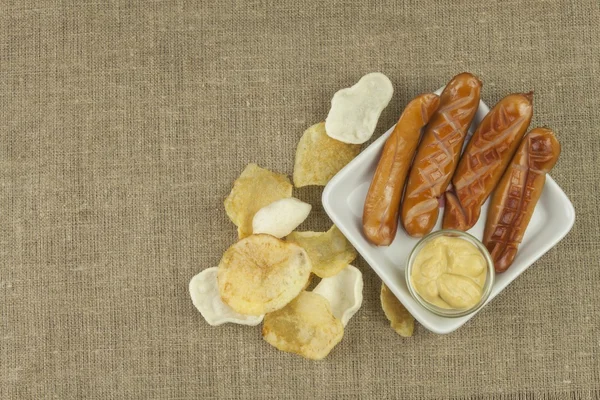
124	124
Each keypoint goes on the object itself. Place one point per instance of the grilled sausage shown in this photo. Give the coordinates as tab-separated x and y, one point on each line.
438	153
488	153
382	205
517	194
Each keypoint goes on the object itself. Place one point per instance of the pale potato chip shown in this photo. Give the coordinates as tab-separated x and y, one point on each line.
344	292
355	110
261	274
319	157
329	252
401	320
305	327
281	217
205	297
255	188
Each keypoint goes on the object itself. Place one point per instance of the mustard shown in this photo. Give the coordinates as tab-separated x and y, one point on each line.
449	272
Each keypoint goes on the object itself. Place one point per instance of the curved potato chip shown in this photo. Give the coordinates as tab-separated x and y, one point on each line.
344	292
281	217
205	296
305	327
319	157
255	188
329	252
401	320
355	110
261	273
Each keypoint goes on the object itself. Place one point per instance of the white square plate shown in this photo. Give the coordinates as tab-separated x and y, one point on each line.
343	200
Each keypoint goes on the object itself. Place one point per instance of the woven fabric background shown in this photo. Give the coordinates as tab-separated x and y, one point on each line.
124	123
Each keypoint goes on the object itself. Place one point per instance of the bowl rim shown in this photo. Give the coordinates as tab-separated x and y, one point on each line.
451	312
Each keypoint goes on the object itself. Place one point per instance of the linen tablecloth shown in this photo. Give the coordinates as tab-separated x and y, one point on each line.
124	123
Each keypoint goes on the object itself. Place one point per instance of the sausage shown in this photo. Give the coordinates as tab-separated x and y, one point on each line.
438	153
517	194
382	205
484	160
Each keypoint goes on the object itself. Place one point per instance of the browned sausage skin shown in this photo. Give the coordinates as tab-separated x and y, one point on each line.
488	153
438	153
517	194
382	205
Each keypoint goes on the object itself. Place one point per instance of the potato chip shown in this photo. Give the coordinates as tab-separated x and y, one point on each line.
355	110
255	188
319	157
205	297
329	252
281	217
401	320
305	327
261	274
344	292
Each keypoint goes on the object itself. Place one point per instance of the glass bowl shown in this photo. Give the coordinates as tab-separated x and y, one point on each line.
487	287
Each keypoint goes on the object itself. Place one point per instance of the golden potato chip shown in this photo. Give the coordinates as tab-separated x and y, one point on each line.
329	252
401	320
255	188
319	157
305	327
261	274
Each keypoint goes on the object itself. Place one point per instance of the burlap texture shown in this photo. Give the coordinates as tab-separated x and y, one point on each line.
124	124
